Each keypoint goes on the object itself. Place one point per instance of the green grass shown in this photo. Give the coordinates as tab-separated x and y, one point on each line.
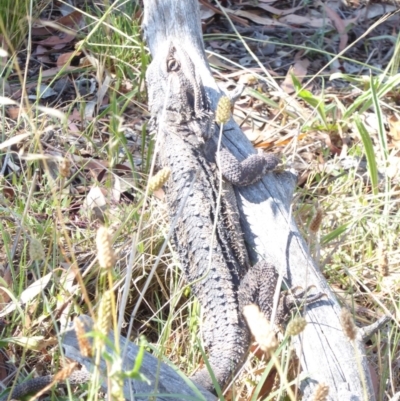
14	22
45	229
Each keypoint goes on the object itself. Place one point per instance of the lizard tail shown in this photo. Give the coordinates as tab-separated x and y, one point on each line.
225	360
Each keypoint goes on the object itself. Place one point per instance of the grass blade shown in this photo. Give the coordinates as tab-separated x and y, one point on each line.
369	153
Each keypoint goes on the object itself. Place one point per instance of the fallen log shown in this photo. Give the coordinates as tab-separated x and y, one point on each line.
326	355
163	381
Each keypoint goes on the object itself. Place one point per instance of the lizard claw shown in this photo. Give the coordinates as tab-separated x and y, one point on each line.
297	299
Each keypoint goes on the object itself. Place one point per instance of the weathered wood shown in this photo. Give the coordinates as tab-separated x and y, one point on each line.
326	355
165	383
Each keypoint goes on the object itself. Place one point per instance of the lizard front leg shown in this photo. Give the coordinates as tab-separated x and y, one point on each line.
243	173
248	171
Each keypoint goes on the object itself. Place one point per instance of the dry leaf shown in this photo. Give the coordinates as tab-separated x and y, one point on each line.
394	129
6	101
71	20
274	10
13	112
375	10
299	70
15	139
313	22
96	198
7	278
282	142
256	18
42	30
51	72
28	294
55	40
42	92
64	301
340	25
66	58
214	60
206	12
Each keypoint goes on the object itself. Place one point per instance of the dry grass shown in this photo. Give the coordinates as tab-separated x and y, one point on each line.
63	178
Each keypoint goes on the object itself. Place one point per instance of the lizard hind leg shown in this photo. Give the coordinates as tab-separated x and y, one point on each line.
258	287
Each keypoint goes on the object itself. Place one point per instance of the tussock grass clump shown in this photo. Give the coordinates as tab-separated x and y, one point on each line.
14	23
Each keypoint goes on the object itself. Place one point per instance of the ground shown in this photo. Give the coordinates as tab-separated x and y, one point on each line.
76	154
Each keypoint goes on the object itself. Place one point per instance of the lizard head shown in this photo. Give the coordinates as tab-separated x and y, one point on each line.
188	100
177	98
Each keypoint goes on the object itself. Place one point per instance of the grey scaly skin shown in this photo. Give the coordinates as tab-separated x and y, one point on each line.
33	386
217	267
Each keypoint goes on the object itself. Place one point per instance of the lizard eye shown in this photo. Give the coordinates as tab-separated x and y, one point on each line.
173	65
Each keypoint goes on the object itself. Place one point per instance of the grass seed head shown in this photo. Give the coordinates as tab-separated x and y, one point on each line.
316	221
383	261
36	251
105	252
261	328
296	326
65	167
105	313
347	322
158	180
65	372
84	344
117	385
223	113
321	392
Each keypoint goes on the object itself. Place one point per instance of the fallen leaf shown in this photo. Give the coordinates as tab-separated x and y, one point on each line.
276	11
283	142
256	18
375	10
51	72
96	203
5	101
294	19
206	12
15	139
67	286
73	128
218	11
13	112
66	58
217	62
394	129
9	193
34	343
71	20
159	194
55	40
96	198
339	25
28	294
43	92
7	279
299	70
3	364
42	31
